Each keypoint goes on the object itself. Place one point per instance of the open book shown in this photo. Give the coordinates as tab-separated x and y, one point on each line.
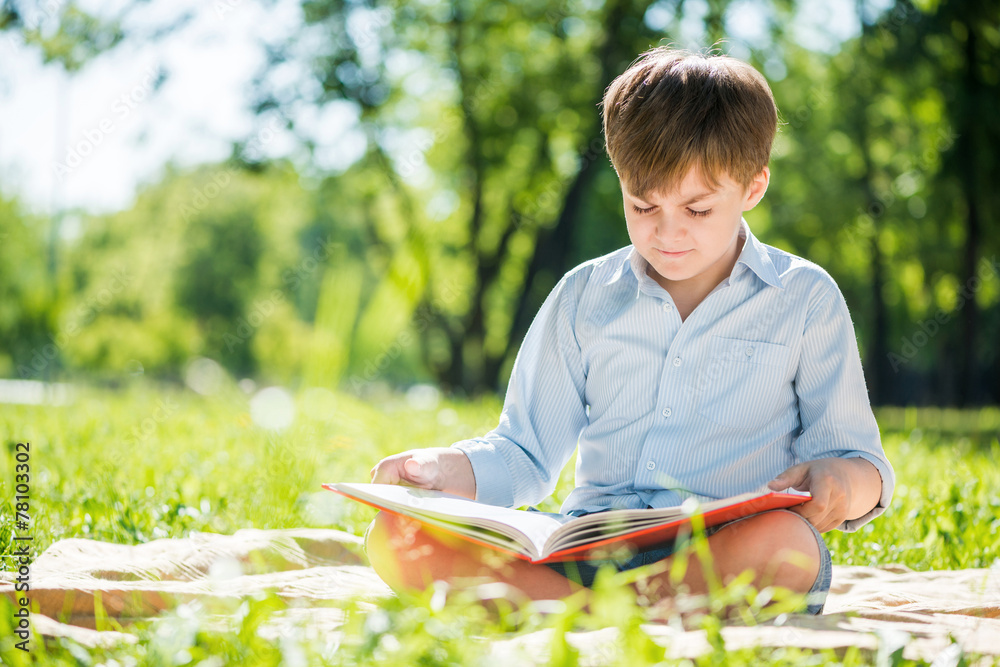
542	537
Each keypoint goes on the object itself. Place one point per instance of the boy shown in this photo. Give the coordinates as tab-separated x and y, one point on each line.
696	362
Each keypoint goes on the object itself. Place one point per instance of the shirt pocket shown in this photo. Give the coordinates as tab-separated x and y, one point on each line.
742	381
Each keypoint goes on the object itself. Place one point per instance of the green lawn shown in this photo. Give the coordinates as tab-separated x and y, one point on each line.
149	462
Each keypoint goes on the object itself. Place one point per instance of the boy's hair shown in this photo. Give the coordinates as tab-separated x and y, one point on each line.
672	110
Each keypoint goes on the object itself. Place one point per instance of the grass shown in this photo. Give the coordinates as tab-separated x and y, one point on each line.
149	462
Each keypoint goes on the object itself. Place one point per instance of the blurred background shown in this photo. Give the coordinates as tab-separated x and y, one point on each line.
377	195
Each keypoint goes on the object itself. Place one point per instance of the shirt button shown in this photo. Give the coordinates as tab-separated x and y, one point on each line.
666	306
666	412
749	351
650	465
677	361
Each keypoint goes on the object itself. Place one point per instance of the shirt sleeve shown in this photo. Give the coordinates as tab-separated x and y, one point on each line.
835	413
518	463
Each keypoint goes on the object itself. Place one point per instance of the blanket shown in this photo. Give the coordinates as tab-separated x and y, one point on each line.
927	613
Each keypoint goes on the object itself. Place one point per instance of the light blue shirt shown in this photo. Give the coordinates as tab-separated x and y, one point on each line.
763	374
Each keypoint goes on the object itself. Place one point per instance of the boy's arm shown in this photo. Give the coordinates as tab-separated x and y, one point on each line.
837	424
544	410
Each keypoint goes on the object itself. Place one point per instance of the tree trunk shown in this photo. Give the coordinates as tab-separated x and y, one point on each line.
552	245
967	157
878	366
551	251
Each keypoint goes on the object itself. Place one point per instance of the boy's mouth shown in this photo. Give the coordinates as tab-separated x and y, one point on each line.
679	253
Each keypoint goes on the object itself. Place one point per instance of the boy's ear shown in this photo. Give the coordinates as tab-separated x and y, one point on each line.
755	192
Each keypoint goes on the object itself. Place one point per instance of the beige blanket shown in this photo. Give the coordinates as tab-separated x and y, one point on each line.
926	611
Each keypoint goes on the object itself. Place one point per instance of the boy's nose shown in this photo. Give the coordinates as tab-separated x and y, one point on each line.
669	228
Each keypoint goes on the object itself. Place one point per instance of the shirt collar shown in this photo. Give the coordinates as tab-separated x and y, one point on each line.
754	256
620	269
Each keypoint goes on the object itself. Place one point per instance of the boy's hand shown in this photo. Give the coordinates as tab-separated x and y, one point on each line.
440	468
841	489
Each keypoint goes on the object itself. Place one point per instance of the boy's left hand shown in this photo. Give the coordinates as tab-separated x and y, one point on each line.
841	489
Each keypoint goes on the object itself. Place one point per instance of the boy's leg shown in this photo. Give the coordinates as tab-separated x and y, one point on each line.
409	555
778	546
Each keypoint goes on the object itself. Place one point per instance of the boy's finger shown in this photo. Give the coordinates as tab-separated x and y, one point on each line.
821	521
423	472
793	477
814	509
386	472
813	517
821	511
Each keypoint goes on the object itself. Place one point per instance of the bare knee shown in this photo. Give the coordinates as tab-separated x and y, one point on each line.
377	539
409	555
391	542
778	546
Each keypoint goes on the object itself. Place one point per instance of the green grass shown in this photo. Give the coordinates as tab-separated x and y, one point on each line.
150	462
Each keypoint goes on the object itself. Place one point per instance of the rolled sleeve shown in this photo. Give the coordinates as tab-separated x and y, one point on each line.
836	416
519	462
493	483
888	484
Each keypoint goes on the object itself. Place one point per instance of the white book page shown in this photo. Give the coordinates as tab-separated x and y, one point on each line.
534	534
529	529
612	523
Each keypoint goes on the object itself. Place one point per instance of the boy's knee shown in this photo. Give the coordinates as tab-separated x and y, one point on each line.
368	534
777	544
784	529
796	545
397	549
378	539
800	536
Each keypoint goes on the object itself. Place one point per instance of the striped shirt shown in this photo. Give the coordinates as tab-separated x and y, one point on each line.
763	374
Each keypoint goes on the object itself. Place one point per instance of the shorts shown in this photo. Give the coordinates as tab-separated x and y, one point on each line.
584	572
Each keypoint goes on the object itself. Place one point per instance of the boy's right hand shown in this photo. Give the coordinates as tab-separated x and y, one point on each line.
440	468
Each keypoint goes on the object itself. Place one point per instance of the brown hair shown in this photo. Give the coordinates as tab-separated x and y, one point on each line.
672	110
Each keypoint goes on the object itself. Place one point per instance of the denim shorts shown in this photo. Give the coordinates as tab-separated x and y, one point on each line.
584	572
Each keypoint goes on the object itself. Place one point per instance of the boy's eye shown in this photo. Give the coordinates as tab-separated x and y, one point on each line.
698	214
642	211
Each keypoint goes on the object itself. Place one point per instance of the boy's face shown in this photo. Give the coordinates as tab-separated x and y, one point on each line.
690	236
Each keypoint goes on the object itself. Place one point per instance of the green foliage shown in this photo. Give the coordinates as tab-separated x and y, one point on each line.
68	35
27	289
946	502
221	273
147	463
484	178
